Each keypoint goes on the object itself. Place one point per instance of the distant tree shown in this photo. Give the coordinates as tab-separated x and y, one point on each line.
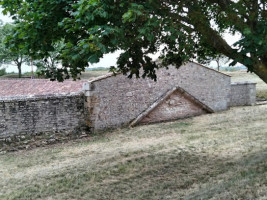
221	59
9	53
51	63
218	58
186	29
2	72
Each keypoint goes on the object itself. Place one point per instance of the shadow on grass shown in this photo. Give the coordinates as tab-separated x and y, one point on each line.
172	174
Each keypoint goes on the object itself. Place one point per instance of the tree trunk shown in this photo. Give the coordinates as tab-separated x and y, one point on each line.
19	68
218	65
261	71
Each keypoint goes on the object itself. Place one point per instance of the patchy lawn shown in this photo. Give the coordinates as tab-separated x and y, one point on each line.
215	156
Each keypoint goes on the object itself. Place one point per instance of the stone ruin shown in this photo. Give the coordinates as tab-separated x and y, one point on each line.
29	107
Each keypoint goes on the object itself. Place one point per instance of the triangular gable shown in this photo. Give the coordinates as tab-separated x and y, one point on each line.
175	104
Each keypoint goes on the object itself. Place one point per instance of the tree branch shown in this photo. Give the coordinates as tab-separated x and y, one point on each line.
201	24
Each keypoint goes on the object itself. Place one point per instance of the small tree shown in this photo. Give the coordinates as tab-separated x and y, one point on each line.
9	54
2	72
218	58
48	65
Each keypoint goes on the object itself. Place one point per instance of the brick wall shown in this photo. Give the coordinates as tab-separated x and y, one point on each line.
243	94
20	116
114	101
176	106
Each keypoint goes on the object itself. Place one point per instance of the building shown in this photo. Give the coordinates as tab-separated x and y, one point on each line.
30	107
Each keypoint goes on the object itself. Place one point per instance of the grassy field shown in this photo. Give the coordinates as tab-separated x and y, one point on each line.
85	75
92	74
215	156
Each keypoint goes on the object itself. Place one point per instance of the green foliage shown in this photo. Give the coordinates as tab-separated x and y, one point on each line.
12	49
29	74
179	30
48	65
2	72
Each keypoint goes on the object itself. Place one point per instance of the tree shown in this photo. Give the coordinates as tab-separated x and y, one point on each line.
221	59
181	30
11	54
49	64
218	58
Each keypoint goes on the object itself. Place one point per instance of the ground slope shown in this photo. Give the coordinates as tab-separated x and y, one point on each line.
214	156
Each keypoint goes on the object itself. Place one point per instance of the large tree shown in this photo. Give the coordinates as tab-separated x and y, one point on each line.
10	53
181	30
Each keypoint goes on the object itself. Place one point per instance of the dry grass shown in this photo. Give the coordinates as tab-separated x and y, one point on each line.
217	156
92	74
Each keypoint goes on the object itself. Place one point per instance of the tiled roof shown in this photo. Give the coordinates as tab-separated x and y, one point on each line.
36	87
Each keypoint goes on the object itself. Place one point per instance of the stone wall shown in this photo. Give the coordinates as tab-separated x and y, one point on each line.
33	115
243	94
113	101
116	100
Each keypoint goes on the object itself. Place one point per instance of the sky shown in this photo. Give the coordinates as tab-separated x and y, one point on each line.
5	18
108	59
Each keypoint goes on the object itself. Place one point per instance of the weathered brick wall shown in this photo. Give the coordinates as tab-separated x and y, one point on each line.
115	101
243	94
176	106
19	116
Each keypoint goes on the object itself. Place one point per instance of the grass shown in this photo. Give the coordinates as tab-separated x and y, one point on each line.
85	75
216	156
16	75
93	73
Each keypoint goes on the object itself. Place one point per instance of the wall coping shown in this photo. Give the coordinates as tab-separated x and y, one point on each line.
39	97
243	83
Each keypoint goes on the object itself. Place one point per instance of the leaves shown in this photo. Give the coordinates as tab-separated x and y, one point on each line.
179	30
12	50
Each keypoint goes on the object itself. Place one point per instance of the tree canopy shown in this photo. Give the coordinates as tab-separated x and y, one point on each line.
10	53
180	30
